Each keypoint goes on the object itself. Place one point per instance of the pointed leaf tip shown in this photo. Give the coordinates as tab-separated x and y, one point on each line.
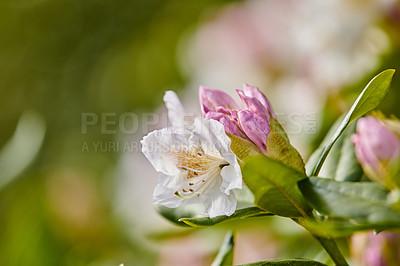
372	95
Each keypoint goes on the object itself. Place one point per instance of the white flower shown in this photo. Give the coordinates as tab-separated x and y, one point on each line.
195	163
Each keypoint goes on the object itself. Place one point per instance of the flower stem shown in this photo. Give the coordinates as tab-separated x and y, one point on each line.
329	245
332	249
225	253
328	147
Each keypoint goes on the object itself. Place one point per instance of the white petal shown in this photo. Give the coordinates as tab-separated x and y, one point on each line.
231	178
211	134
218	203
158	145
164	192
176	113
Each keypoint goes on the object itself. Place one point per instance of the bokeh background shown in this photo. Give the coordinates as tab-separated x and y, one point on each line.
81	82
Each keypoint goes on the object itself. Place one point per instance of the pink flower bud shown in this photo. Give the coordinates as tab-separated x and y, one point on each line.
377	148
210	99
250	122
254	105
255	93
230	127
255	127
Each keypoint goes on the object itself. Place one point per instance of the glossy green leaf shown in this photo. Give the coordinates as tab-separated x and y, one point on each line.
363	203
225	253
288	262
341	163
239	214
370	97
274	186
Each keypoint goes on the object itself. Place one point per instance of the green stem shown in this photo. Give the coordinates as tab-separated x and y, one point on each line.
332	249
225	253
329	245
328	148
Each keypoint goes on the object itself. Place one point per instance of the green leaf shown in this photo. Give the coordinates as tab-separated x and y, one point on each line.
288	262
362	203
225	253
174	214
313	161
341	163
370	97
279	147
239	214
274	186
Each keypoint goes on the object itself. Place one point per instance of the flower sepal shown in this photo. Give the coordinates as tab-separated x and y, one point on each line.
242	148
279	147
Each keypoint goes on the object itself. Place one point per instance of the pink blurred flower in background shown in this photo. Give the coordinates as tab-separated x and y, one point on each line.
370	249
303	57
325	44
377	147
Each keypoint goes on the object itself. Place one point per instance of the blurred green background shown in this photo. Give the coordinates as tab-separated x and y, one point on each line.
60	203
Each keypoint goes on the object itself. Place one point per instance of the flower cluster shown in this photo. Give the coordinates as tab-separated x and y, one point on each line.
195	163
201	163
